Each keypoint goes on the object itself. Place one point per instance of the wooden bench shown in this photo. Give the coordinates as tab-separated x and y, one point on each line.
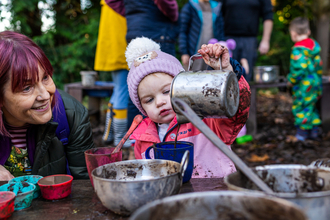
251	123
95	94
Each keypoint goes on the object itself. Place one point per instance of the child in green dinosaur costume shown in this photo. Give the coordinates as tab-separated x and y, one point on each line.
306	79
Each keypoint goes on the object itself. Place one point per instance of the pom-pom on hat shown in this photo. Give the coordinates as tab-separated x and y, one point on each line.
144	57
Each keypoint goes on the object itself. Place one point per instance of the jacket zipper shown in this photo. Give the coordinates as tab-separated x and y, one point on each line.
169	131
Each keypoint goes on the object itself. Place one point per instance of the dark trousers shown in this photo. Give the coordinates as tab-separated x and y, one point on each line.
246	47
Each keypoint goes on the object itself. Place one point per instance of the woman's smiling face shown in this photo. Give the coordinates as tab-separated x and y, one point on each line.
32	104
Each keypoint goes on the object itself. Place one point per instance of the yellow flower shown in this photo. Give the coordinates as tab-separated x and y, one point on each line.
317	57
319	72
306	52
292	80
316	121
294	107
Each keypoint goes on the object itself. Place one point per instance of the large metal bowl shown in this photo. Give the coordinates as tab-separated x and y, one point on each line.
308	187
125	186
224	205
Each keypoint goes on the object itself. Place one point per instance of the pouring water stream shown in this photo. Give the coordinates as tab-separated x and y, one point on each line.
185	110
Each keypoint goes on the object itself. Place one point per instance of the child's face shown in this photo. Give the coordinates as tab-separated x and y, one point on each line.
154	94
293	36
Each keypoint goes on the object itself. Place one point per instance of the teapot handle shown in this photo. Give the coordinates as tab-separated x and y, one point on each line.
198	56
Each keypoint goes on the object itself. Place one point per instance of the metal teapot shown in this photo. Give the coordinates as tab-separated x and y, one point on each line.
210	93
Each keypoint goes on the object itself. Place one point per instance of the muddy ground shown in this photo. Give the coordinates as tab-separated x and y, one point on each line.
274	143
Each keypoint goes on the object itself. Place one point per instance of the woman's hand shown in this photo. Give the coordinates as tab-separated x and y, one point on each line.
211	54
5	175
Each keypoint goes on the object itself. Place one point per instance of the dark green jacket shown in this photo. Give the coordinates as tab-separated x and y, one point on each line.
49	153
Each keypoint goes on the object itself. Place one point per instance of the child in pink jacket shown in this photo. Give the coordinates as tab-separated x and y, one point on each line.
149	82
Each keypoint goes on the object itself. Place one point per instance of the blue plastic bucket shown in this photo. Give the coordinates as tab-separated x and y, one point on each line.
30	179
24	193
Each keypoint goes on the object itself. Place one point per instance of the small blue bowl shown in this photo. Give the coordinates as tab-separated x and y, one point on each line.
30	179
24	193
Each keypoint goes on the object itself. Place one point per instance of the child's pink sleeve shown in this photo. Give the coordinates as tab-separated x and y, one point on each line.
228	128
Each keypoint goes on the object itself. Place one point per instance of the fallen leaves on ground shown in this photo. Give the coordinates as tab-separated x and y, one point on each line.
256	158
279	121
291	139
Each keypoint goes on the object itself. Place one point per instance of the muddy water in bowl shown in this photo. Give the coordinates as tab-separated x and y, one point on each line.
223	205
55	186
306	186
125	186
52	180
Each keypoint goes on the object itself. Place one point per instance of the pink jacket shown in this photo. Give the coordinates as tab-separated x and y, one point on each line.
209	161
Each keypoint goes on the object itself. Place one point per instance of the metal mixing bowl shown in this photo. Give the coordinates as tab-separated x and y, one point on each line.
308	187
224	205
125	186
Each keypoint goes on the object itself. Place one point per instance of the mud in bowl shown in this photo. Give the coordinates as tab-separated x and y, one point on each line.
100	156
23	191
55	186
33	179
166	151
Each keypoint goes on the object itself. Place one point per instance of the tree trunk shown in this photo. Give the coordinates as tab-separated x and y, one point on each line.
322	36
29	16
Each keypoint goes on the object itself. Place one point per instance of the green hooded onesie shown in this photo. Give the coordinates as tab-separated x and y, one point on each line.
306	77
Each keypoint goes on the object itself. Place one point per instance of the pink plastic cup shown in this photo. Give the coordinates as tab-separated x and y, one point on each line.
100	156
6	204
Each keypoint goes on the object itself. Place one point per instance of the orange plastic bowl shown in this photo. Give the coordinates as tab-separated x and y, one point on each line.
7	201
55	186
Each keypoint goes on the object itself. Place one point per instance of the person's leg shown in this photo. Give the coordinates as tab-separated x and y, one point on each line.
108	135
237	52
249	52
119	101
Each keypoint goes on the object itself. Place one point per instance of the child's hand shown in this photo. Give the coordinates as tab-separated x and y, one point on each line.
211	54
5	175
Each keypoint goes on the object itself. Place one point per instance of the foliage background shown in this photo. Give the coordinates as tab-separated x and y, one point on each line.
70	43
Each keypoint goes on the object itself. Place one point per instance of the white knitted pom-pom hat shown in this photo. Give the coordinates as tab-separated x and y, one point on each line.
144	57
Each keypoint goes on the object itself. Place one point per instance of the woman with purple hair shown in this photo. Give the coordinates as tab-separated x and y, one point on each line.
30	104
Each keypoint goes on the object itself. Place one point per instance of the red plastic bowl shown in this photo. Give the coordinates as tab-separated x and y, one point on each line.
55	186
7	200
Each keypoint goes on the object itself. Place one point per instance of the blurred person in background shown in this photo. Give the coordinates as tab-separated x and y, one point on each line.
200	21
155	19
110	58
241	23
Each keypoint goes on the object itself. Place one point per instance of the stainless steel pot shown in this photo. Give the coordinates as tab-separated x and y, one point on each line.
266	74
224	205
125	186
210	93
308	187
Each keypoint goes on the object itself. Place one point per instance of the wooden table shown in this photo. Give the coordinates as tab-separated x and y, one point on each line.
84	204
95	94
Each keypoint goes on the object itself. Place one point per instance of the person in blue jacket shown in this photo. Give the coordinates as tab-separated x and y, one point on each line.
200	20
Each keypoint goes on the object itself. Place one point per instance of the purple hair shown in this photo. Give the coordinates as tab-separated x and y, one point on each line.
20	58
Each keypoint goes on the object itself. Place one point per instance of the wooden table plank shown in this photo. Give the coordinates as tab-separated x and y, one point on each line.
84	204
